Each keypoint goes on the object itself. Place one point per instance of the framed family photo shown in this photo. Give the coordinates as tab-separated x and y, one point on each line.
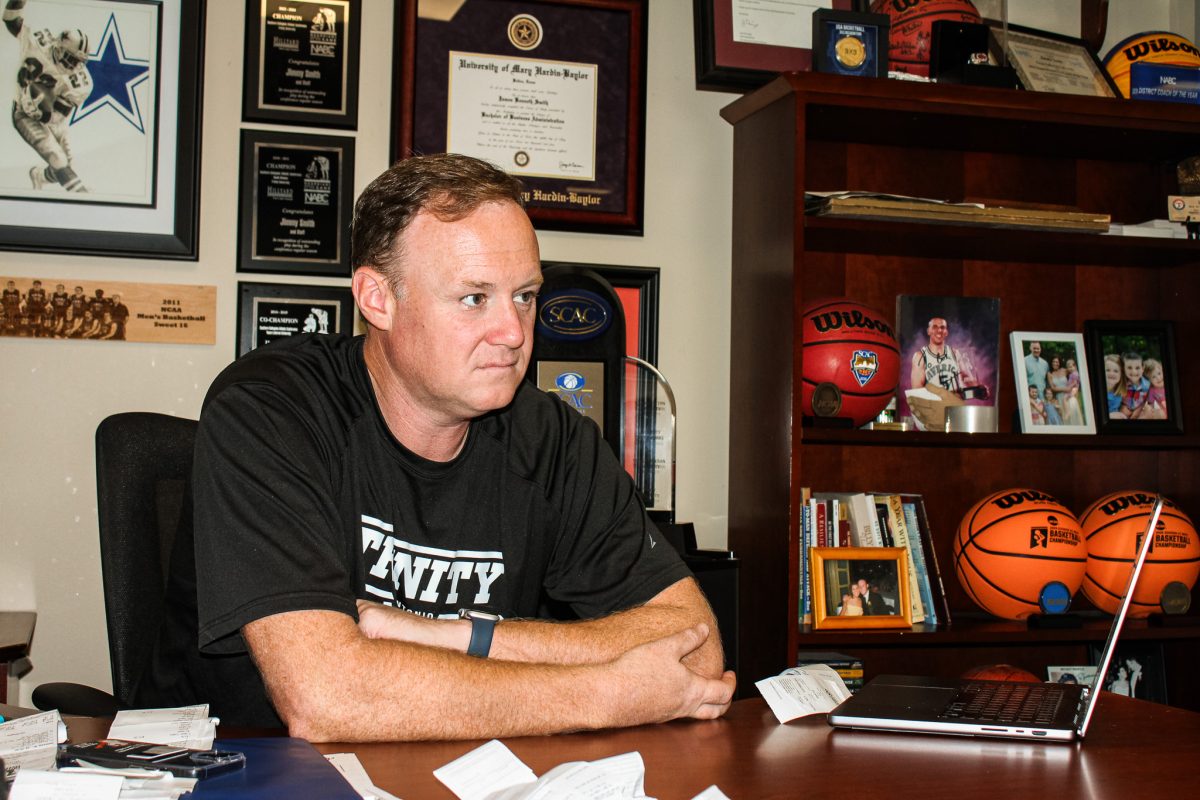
860	587
1135	378
1050	374
104	160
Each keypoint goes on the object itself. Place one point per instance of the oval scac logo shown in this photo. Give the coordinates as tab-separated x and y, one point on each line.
574	314
569	382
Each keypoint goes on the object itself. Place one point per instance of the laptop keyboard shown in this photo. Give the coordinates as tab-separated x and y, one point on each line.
1007	702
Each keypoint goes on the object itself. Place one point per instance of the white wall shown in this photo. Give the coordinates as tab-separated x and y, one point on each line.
53	393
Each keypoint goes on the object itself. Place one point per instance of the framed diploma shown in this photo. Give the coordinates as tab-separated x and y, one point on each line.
295	203
302	62
742	44
1051	62
125	119
271	311
553	91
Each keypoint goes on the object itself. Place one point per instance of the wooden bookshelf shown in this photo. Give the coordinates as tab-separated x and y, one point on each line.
810	132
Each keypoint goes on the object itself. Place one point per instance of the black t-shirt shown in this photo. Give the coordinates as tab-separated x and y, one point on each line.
304	500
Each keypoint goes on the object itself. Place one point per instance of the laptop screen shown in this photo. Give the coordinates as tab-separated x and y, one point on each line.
1119	620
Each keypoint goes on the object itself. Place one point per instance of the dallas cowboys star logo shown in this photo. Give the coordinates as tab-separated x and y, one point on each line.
114	78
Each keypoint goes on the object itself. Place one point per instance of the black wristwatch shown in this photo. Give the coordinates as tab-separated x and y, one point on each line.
482	626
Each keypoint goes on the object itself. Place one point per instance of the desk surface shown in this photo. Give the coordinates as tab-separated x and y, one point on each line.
1134	749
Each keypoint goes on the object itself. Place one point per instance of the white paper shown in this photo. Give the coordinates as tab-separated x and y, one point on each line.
187	726
530	116
32	784
352	770
711	793
489	768
782	23
801	691
31	742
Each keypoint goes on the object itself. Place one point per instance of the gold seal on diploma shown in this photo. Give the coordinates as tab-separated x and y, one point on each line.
524	31
850	52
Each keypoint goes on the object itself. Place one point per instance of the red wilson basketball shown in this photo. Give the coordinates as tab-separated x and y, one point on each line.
1113	528
1011	544
912	28
1001	672
854	348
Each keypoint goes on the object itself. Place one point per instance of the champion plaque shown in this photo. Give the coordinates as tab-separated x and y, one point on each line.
302	62
295	203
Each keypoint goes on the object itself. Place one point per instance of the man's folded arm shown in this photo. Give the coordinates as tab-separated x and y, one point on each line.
591	641
330	682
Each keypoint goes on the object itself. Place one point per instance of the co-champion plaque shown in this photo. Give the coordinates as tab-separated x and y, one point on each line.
295	203
302	62
268	312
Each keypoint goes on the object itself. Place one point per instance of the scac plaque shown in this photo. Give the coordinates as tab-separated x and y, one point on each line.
295	203
302	62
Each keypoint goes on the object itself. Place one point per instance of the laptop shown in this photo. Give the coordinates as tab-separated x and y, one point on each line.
965	707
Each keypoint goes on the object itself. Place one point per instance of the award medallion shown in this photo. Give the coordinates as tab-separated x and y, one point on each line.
1176	598
850	52
826	400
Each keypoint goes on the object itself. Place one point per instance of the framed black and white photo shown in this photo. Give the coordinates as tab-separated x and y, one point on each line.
295	203
1050	373
553	91
1137	670
302	62
104	158
1134	376
268	312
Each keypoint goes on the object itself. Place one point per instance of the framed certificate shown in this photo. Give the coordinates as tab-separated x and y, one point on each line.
271	311
126	114
295	203
302	62
553	91
1051	62
742	44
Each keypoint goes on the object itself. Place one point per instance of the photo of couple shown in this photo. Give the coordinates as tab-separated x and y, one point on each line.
858	588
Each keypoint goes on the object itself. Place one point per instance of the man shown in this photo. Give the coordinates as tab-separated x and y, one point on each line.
352	496
119	313
1036	368
873	602
51	82
945	372
35	308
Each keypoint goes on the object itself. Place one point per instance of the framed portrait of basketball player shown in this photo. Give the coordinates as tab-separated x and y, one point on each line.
102	153
268	312
742	44
860	587
553	91
1135	381
1050	373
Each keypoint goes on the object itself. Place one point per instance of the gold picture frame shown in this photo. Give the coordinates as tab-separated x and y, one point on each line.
838	572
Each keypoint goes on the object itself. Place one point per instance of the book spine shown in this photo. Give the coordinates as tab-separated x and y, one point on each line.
805	539
881	514
822	521
918	554
931	563
896	518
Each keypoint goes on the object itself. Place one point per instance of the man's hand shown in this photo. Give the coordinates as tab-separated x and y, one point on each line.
654	685
932	413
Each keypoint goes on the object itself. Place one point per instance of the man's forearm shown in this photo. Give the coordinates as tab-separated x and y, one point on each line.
330	683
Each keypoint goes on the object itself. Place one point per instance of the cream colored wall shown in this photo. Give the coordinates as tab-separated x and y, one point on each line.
53	393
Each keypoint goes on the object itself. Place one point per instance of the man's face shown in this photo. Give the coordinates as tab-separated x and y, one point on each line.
462	325
937	330
862	587
1035	349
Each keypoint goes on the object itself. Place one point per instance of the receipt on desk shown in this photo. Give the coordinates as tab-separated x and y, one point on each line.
186	726
31	742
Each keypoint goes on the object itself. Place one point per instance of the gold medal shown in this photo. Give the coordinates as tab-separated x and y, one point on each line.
850	52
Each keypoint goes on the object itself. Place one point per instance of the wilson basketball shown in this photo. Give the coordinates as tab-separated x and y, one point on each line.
1011	544
1152	47
853	348
1113	527
1001	672
911	31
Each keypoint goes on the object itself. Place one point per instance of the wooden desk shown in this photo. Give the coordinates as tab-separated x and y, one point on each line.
16	634
1134	749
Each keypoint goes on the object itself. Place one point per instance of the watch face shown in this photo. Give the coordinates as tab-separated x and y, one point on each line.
471	613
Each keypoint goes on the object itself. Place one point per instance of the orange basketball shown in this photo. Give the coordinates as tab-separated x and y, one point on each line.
1001	672
1151	47
1013	543
1113	528
854	348
912	28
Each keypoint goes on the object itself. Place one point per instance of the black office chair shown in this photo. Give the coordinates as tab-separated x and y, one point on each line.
143	464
